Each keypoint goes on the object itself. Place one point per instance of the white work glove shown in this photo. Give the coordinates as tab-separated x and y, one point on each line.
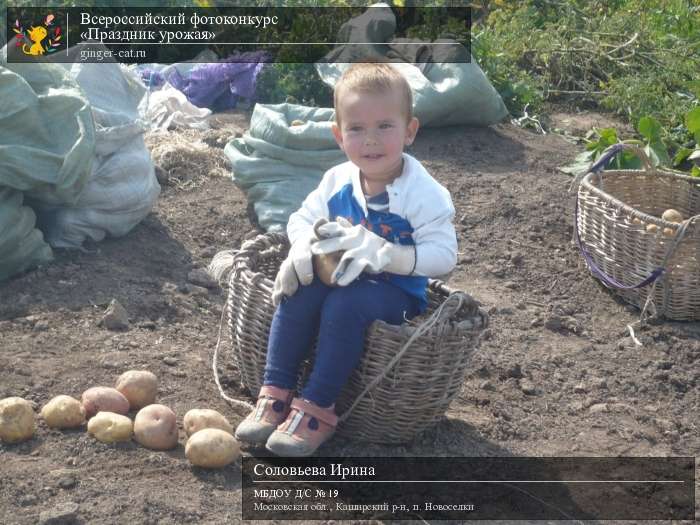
364	251
297	267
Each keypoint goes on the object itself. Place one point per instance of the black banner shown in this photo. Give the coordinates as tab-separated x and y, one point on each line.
239	34
469	488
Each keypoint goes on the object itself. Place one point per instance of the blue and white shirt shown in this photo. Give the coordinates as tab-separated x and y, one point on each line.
419	212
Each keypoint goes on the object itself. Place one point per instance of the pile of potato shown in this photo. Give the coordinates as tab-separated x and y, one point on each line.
669	215
210	436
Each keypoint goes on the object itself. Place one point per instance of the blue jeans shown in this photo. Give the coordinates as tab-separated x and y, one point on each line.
340	317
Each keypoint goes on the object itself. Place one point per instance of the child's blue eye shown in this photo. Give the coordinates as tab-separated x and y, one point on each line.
386	126
355	128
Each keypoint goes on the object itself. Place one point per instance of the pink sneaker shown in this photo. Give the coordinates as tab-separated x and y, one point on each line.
307	426
271	409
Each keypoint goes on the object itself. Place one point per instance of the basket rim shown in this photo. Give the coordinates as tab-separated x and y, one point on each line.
592	188
437	285
269	240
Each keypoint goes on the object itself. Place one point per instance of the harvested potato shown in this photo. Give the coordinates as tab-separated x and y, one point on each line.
325	265
63	412
139	387
212	448
297	123
636	220
16	420
669	232
155	427
652	228
672	215
200	418
104	399
109	427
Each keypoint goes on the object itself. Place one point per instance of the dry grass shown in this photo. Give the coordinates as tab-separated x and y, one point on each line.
187	157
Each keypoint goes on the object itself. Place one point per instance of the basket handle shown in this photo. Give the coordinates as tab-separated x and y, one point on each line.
598	166
467	304
613	150
609	281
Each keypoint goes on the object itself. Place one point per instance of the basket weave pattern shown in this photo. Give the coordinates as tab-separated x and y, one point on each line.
414	393
615	208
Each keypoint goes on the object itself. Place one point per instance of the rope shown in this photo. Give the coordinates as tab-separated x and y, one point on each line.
644	318
215	361
223	268
457	297
221	265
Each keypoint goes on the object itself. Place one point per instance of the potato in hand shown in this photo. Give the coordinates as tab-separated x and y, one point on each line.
325	265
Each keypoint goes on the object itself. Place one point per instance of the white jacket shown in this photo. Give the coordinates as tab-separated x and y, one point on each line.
418	205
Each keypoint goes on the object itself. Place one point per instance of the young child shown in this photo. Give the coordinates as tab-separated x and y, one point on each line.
393	222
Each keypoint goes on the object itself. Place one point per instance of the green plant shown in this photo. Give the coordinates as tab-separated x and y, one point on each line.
292	82
657	142
635	58
516	87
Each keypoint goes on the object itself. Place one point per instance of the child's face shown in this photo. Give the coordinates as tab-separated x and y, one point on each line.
373	133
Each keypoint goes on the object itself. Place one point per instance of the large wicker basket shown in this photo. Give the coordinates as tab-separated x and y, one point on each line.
386	400
646	260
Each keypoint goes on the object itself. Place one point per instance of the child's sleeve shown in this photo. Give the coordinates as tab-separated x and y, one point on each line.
314	207
434	235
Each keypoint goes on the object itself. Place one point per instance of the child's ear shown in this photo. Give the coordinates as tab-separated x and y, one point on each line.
411	131
337	134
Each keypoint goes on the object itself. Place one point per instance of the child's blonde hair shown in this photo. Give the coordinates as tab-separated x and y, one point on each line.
373	77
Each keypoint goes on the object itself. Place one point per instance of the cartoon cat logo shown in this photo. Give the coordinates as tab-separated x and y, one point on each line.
36	35
32	40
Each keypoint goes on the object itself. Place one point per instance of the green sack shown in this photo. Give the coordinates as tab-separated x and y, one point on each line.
449	87
278	164
21	244
47	143
47	135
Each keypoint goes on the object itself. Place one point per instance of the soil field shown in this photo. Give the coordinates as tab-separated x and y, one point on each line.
556	374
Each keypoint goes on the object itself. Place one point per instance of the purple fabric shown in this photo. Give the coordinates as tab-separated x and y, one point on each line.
152	78
217	86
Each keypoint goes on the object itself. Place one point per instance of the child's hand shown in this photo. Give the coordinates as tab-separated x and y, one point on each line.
364	251
297	267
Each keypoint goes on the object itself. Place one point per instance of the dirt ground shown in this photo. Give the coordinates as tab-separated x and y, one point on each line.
556	374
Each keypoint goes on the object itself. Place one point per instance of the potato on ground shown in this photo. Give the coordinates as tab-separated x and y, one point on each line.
200	418
139	387
212	448
104	399
109	427
63	412
16	420
155	427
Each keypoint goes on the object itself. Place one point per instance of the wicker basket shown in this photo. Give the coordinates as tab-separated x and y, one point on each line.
614	214
384	401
